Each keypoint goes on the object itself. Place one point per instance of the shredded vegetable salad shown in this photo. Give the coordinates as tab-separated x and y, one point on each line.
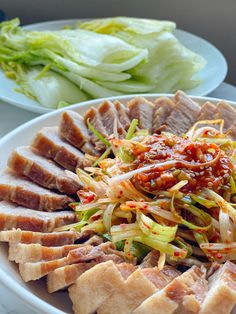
164	192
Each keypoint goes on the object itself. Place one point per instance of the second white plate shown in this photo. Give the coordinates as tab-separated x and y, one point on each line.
212	75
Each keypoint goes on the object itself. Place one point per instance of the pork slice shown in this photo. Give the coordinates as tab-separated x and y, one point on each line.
73	129
110	117
23	192
89	149
94	287
183	294
141	284
141	109
27	162
207	112
33	271
92	115
45	239
35	252
184	115
122	114
221	297
150	260
63	277
226	112
163	106
12	216
52	146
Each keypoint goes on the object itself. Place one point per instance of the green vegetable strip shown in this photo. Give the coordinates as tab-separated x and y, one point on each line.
132	129
98	134
103	156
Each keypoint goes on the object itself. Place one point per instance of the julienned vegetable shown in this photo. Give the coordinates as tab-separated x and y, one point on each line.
147	203
99	58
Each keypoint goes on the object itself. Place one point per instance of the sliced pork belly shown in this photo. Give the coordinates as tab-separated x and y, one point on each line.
74	130
139	285
35	252
162	109
12	216
26	161
182	295
92	115
34	271
45	239
141	109
221	297
110	117
50	145
65	276
94	287
122	114
184	115
227	113
207	112
25	193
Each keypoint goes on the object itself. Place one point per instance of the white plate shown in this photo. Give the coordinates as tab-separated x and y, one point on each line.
35	295
212	75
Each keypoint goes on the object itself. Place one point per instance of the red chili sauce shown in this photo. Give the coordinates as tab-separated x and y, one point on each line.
202	164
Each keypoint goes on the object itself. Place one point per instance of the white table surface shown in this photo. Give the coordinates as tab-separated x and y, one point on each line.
10	118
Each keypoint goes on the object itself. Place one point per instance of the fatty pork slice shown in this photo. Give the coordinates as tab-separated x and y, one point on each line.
35	252
27	162
63	277
74	130
34	271
184	115
12	216
163	106
110	118
94	287
221	297
226	112
122	114
45	239
93	116
140	285
25	193
52	146
141	109
183	295
207	112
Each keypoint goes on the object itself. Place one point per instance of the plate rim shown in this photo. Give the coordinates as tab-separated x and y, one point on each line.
42	110
26	296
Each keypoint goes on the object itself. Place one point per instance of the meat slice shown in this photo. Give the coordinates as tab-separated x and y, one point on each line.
207	112
141	109
110	118
12	216
150	260
221	297
139	285
122	114
63	277
35	252
45	239
27	162
34	271
73	129
92	115
95	286
184	115
163	106
226	112
28	194
50	145
181	295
